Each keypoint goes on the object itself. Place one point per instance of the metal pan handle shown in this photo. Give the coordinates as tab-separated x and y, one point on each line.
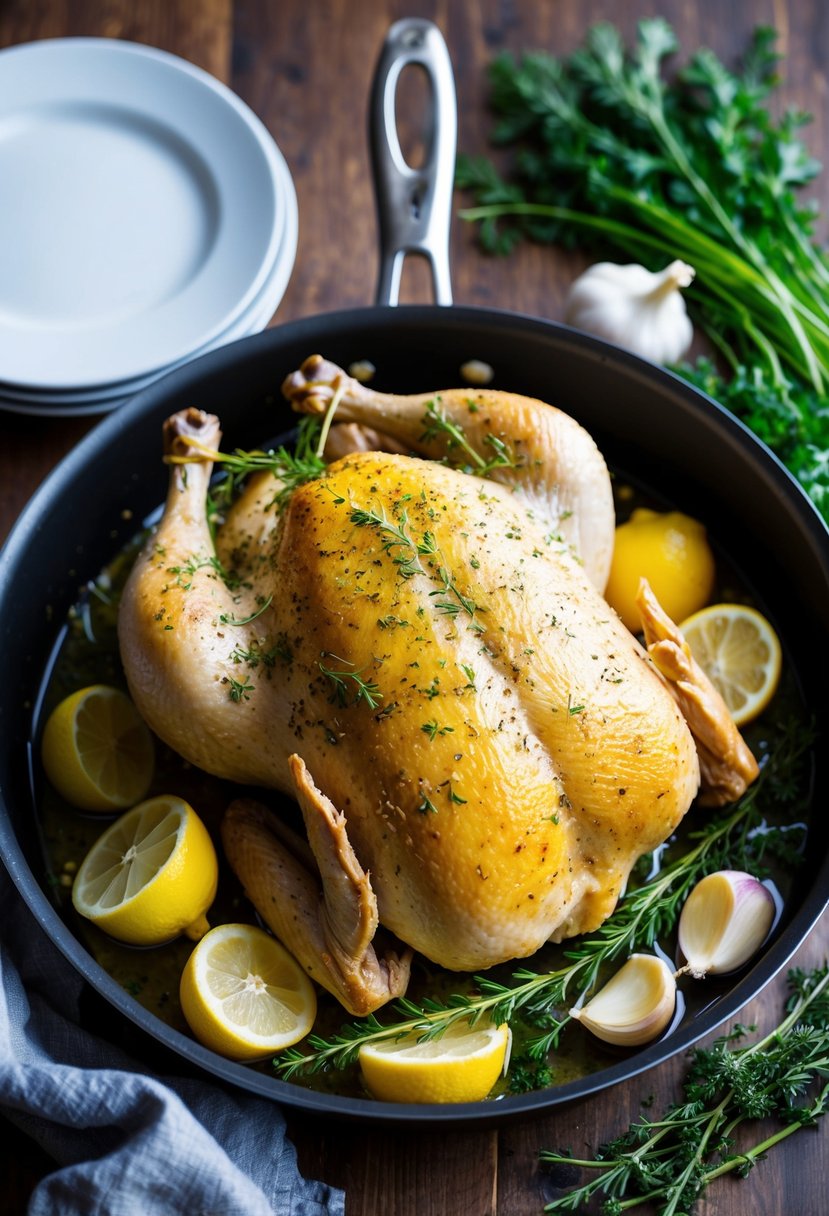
413	205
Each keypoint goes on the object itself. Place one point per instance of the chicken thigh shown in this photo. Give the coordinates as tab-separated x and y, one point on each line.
422	657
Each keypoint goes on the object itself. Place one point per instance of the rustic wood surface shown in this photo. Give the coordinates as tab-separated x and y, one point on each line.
305	69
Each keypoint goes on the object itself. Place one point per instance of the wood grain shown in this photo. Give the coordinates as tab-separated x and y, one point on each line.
305	69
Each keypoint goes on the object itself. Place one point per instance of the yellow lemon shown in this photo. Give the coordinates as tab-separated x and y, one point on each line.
740	653
96	750
243	994
151	876
671	551
460	1066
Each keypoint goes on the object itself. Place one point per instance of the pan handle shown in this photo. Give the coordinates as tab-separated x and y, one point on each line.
413	205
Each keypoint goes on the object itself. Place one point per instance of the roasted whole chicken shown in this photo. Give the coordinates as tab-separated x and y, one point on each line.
414	645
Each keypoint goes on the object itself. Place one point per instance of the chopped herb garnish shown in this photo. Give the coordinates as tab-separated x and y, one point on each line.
352	681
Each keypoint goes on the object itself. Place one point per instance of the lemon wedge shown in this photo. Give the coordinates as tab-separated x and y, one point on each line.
97	751
740	653
151	876
243	994
460	1066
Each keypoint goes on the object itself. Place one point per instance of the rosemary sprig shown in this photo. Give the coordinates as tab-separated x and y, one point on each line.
643	915
671	1160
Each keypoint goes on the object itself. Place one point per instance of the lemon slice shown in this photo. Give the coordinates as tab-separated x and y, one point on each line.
461	1066
97	751
243	994
151	876
740	653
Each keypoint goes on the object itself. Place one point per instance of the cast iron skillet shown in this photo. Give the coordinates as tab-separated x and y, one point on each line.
652	428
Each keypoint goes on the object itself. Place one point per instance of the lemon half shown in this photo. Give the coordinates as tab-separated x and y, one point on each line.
740	653
460	1066
244	995
672	552
151	876
97	751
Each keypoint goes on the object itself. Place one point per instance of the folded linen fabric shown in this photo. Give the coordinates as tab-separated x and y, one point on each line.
127	1143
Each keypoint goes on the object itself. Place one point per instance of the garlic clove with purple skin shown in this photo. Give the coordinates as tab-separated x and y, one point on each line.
636	308
724	922
634	1006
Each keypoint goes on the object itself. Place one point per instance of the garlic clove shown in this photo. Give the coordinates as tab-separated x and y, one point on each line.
633	307
634	1006
724	922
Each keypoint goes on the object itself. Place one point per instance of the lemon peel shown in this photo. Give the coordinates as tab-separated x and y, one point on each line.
460	1066
150	876
97	751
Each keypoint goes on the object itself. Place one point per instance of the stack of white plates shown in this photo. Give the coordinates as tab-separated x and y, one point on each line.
146	216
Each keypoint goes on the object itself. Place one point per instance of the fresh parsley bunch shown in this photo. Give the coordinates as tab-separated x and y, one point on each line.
613	157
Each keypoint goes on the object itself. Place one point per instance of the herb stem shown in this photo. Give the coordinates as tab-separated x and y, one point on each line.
339	393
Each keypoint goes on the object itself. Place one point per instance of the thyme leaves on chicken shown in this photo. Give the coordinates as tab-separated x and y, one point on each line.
255	655
643	916
406	551
239	690
433	728
438	423
290	466
187	570
229	618
403	550
345	682
670	1160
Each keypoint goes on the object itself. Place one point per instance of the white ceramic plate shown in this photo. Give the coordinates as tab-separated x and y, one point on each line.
141	205
254	320
14	399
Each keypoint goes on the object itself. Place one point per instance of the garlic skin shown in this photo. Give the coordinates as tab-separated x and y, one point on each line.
635	308
724	922
634	1006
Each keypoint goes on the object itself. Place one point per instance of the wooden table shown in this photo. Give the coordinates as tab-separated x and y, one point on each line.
305	70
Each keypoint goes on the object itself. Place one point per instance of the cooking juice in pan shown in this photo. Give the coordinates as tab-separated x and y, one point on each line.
88	654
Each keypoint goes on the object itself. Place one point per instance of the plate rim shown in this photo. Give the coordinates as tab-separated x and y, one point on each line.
260	147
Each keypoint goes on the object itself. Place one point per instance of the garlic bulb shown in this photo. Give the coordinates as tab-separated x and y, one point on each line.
634	308
634	1006
724	921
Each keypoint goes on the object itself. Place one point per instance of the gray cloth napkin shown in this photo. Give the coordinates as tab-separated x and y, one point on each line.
127	1143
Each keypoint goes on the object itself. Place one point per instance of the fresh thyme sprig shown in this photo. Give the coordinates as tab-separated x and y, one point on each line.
363	690
437	422
671	1160
406	551
229	618
291	467
396	538
643	915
